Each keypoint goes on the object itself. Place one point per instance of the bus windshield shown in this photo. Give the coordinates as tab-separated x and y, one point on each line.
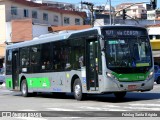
128	52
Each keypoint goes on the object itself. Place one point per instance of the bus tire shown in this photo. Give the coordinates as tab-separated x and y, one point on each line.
158	80
77	90
120	95
24	88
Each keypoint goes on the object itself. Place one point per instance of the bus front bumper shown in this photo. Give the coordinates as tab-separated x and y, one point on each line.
117	86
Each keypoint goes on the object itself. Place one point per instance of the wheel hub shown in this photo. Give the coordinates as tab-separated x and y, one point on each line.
23	88
77	90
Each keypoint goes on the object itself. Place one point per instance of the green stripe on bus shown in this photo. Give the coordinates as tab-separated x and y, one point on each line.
38	82
142	64
9	83
131	77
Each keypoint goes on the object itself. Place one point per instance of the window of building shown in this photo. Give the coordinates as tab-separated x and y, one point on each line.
66	20
26	13
34	14
13	10
45	16
77	21
55	18
134	10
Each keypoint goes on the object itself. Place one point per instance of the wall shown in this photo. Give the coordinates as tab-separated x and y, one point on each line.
2	31
154	30
40	12
39	30
2	24
8	31
155	33
21	30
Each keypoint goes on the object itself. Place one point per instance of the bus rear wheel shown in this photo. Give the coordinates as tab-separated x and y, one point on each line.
120	95
77	89
24	88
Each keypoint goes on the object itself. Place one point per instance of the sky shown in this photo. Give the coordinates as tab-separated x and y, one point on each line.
113	2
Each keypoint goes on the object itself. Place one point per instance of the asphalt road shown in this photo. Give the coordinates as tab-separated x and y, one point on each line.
135	104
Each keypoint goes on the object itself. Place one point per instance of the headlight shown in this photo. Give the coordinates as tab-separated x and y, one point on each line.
111	76
150	75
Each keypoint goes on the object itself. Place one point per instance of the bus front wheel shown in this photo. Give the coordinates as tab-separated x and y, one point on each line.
77	89
24	88
120	95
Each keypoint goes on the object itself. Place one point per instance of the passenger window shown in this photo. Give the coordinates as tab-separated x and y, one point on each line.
35	55
46	56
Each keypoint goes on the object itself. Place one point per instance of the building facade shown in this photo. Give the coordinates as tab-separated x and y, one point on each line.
134	10
153	14
154	33
37	14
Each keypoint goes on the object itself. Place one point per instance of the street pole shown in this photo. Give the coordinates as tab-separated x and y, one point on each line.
90	6
92	17
110	15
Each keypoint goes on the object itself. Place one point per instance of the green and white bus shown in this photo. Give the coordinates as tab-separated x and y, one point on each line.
105	59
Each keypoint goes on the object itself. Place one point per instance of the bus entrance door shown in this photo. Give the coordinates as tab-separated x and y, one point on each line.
92	65
15	71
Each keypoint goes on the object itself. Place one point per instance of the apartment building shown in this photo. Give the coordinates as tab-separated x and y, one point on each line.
53	3
153	14
136	10
11	10
154	34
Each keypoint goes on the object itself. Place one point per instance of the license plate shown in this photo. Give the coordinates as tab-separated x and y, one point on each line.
132	87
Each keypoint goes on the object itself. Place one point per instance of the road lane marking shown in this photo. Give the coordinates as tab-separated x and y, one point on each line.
27	110
3	90
62	109
101	108
146	105
112	106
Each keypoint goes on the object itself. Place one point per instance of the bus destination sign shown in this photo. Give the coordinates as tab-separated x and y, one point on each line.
124	32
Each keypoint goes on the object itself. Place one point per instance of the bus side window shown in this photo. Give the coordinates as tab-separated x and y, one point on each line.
8	62
35	59
24	59
46	57
56	56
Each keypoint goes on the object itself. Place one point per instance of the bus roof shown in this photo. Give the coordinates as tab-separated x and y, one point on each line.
65	35
49	38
